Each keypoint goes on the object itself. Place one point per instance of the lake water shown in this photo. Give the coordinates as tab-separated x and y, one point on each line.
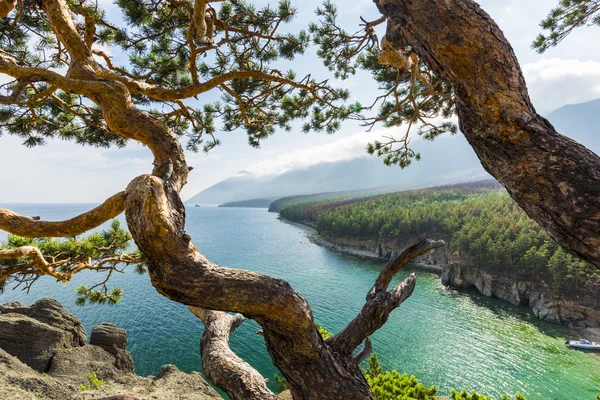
447	338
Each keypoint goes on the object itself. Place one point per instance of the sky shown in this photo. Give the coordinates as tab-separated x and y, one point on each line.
65	172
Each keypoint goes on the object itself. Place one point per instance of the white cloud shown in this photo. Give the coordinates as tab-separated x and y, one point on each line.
345	148
556	82
66	172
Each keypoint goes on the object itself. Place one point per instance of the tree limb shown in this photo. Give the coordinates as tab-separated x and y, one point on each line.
165	94
221	365
6	6
392	267
16	93
36	257
27	227
61	21
553	178
380	302
181	273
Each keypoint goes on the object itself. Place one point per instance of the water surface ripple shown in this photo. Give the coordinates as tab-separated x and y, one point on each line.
443	337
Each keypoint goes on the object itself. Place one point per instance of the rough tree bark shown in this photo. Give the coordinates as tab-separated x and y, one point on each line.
553	178
221	365
155	216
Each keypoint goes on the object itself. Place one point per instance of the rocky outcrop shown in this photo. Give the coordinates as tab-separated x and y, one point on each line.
381	249
169	384
46	338
543	303
114	341
21	382
50	312
34	334
74	364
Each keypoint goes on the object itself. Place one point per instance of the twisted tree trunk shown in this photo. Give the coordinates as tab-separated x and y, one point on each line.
155	216
553	178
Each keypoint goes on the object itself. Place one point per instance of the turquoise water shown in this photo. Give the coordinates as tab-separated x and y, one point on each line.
443	337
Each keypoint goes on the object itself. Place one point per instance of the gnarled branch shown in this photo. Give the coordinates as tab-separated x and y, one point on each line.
37	259
221	365
553	178
380	302
28	227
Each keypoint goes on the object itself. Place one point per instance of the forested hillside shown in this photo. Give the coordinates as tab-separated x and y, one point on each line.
482	224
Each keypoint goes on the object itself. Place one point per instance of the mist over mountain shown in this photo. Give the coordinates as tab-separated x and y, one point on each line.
579	122
448	159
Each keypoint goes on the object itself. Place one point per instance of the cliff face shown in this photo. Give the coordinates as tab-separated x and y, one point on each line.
542	302
44	355
545	305
382	249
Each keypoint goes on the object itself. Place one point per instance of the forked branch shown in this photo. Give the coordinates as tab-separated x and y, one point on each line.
380	302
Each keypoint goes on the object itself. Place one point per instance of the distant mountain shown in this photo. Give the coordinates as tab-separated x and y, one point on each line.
580	122
231	189
445	160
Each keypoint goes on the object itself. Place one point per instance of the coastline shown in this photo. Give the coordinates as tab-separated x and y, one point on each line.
314	237
581	319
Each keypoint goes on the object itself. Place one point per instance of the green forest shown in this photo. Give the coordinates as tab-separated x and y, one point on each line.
482	225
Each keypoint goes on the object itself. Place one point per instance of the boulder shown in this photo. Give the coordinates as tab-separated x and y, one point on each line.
31	341
74	364
51	312
46	338
114	341
20	382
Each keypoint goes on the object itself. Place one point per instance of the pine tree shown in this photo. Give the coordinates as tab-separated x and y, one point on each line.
563	19
78	75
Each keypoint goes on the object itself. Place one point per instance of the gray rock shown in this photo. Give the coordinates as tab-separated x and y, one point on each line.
542	302
20	382
114	341
74	364
31	341
49	339
51	312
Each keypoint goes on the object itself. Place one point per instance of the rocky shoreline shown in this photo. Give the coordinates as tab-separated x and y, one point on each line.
544	305
432	262
44	354
541	301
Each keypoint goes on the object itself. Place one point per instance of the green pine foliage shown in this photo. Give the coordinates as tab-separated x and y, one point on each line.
107	251
148	41
391	385
563	19
374	368
281	383
403	100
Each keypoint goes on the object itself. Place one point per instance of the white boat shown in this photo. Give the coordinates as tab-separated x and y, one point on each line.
583	344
